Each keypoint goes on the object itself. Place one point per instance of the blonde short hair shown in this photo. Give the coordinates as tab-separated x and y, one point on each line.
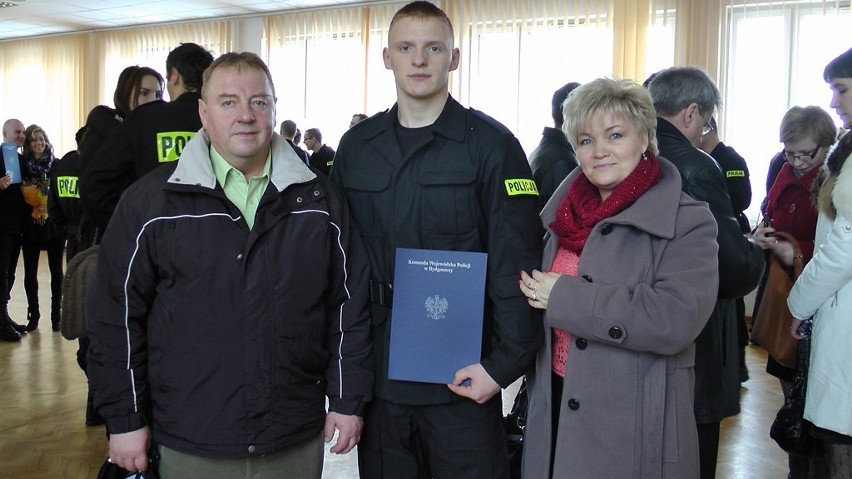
610	95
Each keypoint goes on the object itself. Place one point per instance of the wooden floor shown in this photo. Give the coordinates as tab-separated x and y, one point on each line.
43	396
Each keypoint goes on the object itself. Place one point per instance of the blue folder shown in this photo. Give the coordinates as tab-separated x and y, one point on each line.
12	164
436	321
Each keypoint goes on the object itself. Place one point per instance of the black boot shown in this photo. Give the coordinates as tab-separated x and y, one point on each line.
7	330
32	318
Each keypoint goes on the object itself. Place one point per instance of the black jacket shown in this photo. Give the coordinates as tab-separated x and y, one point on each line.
100	123
737	181
153	134
551	162
232	337
455	192
323	159
741	263
14	211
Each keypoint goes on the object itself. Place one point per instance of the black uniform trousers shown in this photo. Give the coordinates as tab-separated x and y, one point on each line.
459	440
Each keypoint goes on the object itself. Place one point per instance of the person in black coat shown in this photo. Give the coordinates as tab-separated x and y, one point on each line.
152	135
13	212
685	99
322	156
553	158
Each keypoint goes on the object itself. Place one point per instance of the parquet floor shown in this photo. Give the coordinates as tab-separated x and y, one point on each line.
43	395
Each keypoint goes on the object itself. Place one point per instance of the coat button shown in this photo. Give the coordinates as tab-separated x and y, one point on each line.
573	404
607	229
581	343
240	257
587	278
251	449
299	199
316	193
848	227
615	332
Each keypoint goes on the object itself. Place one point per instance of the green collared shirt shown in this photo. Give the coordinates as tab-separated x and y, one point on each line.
244	194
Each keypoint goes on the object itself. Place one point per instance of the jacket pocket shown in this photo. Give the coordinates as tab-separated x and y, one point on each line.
450	203
369	202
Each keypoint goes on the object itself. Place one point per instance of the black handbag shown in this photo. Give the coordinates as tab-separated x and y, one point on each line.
790	429
515	422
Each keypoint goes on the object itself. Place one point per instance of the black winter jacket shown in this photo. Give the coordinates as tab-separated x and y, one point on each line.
153	134
741	263
551	162
467	189
227	340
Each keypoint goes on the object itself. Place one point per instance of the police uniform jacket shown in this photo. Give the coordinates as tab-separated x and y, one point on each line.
323	159
645	288
741	264
467	188
153	134
225	339
737	181
551	162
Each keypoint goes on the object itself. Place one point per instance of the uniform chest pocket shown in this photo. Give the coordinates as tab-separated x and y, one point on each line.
449	202
369	200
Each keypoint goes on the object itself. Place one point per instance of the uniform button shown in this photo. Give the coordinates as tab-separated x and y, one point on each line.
581	343
615	332
587	278
573	404
239	257
251	449
607	229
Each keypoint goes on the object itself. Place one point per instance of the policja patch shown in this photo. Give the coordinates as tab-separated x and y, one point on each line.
521	186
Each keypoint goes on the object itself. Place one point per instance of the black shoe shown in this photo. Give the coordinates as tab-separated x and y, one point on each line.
8	332
19	328
32	319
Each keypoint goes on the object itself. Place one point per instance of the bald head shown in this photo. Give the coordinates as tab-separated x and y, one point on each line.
13	132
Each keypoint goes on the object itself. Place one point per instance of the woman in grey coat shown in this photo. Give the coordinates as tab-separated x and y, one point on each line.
630	279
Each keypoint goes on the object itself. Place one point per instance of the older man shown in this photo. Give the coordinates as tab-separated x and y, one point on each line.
685	99
230	300
13	210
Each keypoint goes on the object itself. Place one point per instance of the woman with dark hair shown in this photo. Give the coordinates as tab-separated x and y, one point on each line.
39	234
632	279
136	86
825	286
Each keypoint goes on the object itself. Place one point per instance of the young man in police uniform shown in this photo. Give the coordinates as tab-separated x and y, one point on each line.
229	300
431	174
150	137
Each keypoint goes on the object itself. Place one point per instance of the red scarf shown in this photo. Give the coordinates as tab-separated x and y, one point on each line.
581	209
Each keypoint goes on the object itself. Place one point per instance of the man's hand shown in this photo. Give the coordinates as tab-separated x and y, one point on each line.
350	431
130	450
5	181
481	387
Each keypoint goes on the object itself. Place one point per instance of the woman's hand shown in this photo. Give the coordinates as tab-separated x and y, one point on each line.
764	236
5	181
537	286
794	329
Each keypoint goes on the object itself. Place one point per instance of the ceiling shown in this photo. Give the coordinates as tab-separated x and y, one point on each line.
31	18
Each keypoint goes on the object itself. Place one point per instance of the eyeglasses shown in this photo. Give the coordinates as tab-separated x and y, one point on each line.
794	157
707	128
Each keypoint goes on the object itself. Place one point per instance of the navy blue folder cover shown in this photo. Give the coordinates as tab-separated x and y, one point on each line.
11	163
436	322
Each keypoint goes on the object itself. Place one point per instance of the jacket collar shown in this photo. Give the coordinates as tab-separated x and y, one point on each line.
194	167
451	123
554	134
665	128
654	212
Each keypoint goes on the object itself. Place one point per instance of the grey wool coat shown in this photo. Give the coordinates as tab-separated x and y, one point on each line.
647	283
